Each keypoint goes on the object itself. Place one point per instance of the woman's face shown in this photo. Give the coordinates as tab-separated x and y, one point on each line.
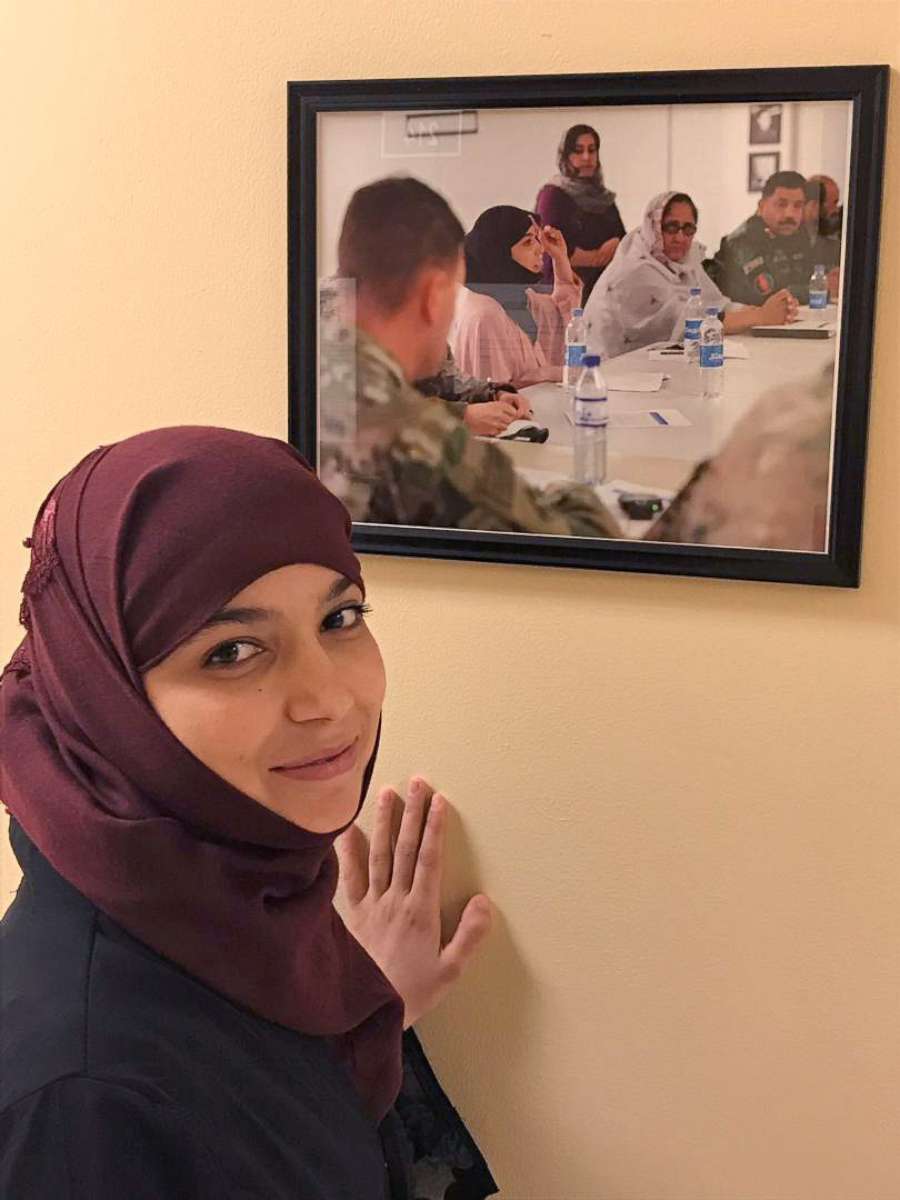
678	229
280	694
584	155
528	251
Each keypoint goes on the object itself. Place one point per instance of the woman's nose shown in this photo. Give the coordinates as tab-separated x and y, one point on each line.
316	689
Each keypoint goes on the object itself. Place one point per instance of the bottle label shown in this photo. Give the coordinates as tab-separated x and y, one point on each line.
692	329
818	299
712	355
591	412
574	353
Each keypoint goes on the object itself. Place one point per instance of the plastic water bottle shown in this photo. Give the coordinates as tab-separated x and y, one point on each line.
693	317
591	415
576	344
712	354
818	287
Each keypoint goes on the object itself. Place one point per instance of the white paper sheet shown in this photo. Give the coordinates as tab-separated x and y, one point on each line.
635	383
647	382
657	418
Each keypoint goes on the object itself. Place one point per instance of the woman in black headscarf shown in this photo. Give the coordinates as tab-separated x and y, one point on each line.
508	325
581	206
190	722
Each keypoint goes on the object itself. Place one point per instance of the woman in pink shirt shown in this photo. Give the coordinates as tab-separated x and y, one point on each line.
510	327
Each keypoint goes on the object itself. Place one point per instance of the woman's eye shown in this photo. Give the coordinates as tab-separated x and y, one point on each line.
232	654
347	617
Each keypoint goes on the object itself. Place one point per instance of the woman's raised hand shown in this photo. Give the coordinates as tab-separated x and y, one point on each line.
392	896
553	242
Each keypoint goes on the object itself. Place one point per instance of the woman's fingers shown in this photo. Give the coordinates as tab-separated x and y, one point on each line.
381	850
352	849
406	852
426	885
474	926
551	238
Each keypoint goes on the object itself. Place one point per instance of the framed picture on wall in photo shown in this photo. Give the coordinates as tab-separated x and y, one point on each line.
458	250
761	167
765	124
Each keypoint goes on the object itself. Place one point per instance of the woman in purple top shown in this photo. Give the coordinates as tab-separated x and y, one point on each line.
578	203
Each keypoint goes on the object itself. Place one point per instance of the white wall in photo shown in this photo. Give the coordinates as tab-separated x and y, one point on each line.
701	149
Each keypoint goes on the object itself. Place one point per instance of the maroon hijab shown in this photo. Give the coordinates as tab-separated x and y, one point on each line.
132	551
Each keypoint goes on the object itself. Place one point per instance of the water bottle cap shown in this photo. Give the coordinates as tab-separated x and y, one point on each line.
577	312
712	311
590	360
695	291
820	267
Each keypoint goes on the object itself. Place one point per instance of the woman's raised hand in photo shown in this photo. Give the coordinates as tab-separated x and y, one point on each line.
392	895
553	242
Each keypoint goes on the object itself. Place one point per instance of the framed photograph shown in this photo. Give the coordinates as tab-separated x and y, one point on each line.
761	167
765	124
443	233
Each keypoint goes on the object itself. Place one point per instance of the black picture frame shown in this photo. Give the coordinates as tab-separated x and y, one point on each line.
760	166
865	87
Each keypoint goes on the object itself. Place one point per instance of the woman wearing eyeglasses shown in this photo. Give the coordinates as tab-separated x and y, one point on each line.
640	297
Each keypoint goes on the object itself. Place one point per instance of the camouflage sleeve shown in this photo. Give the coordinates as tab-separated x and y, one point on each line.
451	385
431	471
733	269
768	485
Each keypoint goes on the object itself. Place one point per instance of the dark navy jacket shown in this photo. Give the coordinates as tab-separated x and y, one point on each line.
123	1076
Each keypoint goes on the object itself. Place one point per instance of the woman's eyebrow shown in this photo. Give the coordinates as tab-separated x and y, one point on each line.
337	589
251	616
239	616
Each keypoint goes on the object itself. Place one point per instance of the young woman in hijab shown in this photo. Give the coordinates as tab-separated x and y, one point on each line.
189	723
641	297
508	325
578	203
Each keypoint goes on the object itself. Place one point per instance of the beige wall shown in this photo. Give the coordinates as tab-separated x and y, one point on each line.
692	993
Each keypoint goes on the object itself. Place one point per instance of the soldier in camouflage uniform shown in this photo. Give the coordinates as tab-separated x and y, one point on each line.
405	459
768	486
391	454
770	250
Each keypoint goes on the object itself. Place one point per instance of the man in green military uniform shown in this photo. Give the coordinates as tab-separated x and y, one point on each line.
393	455
770	250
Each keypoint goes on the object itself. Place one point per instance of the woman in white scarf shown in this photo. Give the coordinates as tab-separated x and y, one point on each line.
641	295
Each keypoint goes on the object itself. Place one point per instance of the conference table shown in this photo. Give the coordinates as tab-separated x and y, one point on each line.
656	457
